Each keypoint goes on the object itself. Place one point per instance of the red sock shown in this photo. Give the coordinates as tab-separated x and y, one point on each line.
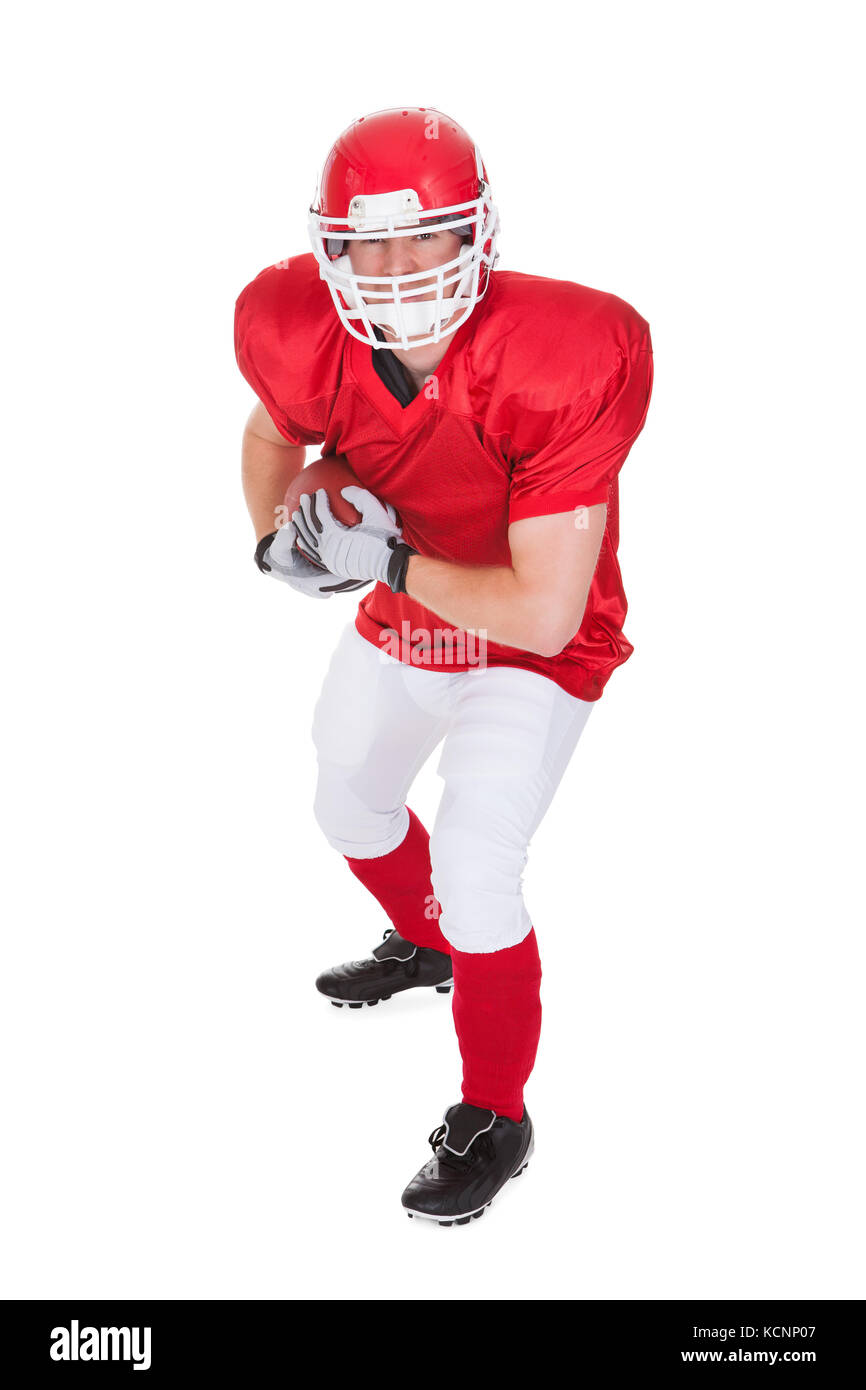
401	882
497	1014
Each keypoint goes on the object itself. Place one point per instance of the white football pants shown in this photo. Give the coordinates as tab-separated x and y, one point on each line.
509	735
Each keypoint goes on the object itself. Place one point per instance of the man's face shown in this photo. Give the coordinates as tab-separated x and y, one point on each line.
405	255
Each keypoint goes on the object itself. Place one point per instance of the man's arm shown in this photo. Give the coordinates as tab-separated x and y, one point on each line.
268	465
537	602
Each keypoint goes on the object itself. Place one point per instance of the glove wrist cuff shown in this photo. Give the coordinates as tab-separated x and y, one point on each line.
261	549
398	564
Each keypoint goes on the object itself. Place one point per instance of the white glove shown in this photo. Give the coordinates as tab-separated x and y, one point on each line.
282	560
351	552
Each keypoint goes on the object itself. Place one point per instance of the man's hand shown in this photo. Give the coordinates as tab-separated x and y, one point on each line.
278	556
363	552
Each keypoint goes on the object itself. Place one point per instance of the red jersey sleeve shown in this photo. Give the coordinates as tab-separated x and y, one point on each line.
583	443
249	358
284	332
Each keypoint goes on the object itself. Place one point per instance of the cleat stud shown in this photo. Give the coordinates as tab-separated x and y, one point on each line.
463	1220
371	1003
446	1223
409	1214
476	1214
443	989
359	1005
382	998
336	1003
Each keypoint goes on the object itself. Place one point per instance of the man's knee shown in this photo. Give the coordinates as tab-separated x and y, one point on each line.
477	881
352	827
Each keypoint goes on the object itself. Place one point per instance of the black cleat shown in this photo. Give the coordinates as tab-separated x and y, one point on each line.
395	965
476	1152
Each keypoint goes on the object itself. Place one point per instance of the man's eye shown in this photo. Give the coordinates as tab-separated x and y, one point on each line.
424	236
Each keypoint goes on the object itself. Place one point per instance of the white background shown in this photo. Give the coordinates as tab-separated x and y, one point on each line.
183	1115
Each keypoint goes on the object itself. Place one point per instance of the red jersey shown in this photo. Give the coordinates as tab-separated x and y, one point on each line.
532	411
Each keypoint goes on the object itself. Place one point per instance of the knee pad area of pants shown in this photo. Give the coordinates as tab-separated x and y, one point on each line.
353	827
477	881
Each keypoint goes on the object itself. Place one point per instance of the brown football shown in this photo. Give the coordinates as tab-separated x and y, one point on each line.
331	473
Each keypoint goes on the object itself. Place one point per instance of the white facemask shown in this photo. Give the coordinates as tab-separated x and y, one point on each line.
412	317
388	302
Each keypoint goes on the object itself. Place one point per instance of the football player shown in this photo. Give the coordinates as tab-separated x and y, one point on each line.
487	414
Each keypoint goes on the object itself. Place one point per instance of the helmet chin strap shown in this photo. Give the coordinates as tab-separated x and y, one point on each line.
417	319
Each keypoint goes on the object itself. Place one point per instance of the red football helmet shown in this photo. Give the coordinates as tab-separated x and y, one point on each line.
393	172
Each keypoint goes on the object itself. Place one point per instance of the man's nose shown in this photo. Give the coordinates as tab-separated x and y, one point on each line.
398	257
